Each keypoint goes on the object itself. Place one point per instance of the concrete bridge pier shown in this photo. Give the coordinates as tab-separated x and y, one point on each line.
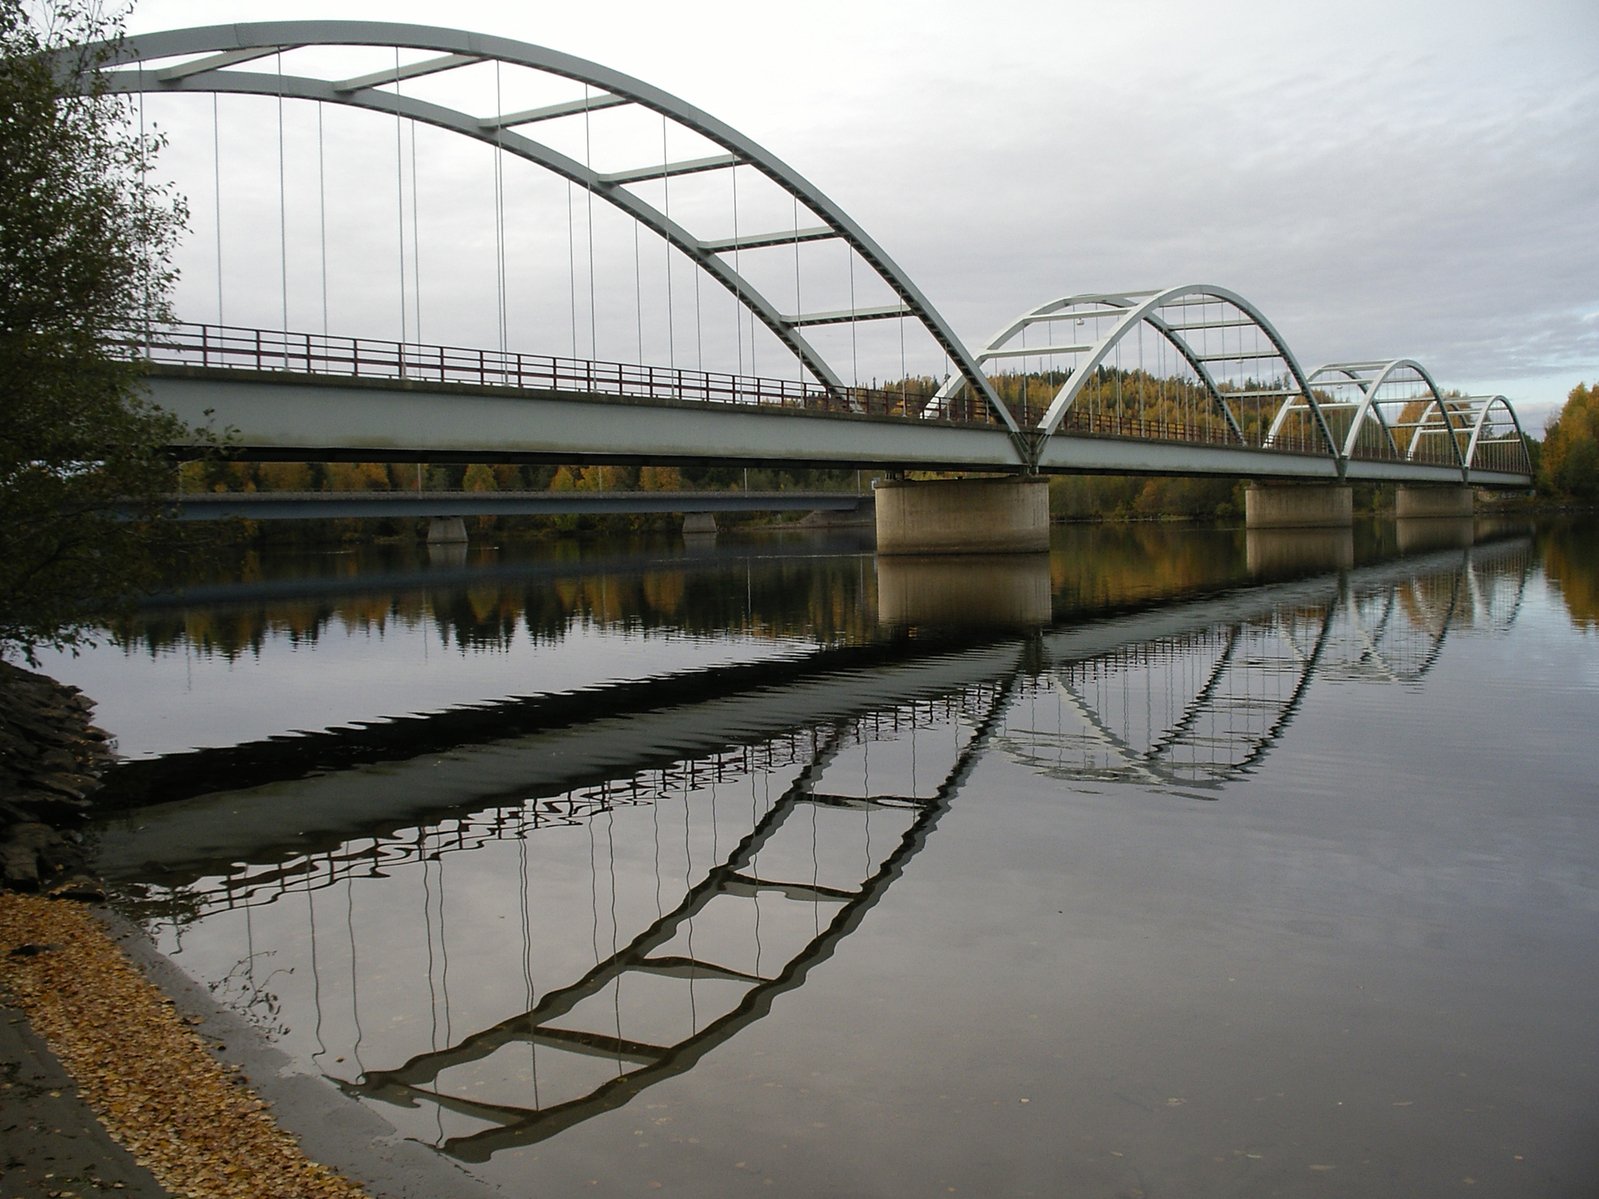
699	524
1299	506
1008	515
446	530
1418	501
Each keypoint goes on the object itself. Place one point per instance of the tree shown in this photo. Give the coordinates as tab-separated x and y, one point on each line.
85	242
1569	464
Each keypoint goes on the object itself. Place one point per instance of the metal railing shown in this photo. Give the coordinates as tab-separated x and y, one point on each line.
273	350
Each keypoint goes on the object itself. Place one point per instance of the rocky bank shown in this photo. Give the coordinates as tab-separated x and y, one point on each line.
51	758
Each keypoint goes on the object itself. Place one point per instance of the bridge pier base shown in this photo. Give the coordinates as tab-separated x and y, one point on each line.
1299	506
699	524
446	530
1454	502
963	516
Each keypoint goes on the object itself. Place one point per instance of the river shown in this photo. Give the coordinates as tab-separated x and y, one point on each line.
1181	862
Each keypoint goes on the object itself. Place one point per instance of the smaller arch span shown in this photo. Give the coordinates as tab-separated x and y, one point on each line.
1393	409
1390	409
1497	441
1196	362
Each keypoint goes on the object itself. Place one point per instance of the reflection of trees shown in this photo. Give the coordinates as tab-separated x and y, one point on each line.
1121	564
827	600
1571	562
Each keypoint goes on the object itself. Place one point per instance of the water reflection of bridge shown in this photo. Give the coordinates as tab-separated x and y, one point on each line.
743	835
1198	708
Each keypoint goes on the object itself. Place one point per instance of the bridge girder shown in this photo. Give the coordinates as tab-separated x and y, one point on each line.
205	55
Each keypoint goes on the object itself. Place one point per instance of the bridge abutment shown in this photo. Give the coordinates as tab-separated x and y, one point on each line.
963	516
1452	502
1299	506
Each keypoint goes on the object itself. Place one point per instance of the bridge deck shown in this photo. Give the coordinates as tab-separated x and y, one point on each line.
295	397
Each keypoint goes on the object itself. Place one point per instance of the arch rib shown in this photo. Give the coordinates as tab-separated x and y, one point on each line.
226	45
1484	414
1130	309
1370	378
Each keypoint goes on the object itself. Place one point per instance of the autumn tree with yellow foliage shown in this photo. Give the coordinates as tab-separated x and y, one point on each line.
1570	462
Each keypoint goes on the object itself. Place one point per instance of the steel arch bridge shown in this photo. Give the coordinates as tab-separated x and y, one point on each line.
1394	411
1186	380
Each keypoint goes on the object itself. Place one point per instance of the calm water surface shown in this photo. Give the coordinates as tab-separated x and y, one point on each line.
1181	863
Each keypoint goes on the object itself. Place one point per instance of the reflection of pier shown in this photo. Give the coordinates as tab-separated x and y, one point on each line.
642	886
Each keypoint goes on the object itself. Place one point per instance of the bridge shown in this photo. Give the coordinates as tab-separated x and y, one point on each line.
1184	380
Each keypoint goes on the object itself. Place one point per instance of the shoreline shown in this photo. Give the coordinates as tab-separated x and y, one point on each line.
119	1074
142	1085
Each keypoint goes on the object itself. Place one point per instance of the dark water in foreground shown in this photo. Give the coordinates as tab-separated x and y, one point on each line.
1183	864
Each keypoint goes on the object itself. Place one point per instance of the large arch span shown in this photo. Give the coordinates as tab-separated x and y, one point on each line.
214	59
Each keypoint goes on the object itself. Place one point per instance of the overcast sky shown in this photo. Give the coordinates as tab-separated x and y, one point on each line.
1383	179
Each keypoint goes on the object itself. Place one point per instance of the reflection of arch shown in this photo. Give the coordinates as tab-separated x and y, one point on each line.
198	60
972	697
1251	678
661	951
1203	325
1233	683
1388	652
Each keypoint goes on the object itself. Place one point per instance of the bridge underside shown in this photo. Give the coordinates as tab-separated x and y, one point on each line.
316	505
272	415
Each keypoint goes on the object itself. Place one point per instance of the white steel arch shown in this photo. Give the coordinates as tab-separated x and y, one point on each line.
200	60
1385	395
1397	404
1203	327
1503	444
